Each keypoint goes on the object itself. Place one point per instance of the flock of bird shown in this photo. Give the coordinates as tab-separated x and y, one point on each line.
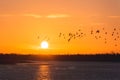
96	33
43	38
70	36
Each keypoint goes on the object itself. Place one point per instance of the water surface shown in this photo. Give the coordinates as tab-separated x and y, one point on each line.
53	70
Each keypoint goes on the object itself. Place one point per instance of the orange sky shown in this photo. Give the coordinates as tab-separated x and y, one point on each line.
22	21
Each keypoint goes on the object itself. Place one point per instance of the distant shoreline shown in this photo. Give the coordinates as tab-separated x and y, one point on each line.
17	58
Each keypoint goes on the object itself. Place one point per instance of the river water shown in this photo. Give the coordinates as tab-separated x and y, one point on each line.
56	70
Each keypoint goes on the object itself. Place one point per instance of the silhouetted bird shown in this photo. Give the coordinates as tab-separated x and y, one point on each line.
76	33
78	36
115	39
106	33
114	29
112	34
105	42
79	30
117	33
69	39
70	34
98	31
115	44
38	37
96	37
91	31
99	36
81	33
64	36
118	37
103	28
60	34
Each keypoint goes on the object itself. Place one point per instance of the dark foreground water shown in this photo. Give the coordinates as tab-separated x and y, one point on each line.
61	71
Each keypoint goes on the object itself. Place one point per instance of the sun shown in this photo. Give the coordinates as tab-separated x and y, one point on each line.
44	45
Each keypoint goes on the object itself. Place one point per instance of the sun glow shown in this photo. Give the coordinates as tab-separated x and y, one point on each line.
44	45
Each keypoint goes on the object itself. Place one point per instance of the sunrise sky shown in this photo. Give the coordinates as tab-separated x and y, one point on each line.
24	24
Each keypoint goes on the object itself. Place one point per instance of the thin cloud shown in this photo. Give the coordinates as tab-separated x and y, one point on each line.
6	15
57	16
32	15
114	16
19	15
36	15
97	23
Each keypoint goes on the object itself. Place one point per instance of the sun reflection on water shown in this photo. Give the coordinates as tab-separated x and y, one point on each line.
44	72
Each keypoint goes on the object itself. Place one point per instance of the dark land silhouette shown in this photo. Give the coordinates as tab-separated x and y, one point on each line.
17	58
